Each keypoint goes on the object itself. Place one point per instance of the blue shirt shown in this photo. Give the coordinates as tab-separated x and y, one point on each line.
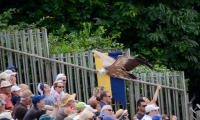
106	117
102	103
49	100
15	99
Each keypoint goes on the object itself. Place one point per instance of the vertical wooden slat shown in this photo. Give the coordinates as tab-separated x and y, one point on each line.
54	68
24	57
132	99
166	99
70	75
32	60
173	94
46	54
17	56
176	95
168	94
77	77
39	52
161	93
91	74
183	96
84	76
8	45
158	100
3	67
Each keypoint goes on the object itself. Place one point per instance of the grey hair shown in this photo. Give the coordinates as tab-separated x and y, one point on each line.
105	107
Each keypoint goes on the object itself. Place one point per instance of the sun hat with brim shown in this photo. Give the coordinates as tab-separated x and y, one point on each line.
66	98
15	88
5	76
26	93
156	117
5	84
37	98
150	108
119	114
10	72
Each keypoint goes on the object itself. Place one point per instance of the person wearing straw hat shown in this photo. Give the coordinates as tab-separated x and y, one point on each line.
21	108
45	89
6	90
121	114
12	76
67	105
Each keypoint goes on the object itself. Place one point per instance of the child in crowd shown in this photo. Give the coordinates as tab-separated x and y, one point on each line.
15	90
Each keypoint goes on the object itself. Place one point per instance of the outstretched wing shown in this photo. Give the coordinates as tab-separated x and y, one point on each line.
129	63
107	61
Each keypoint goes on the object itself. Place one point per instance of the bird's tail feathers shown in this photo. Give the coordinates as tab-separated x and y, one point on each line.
144	62
132	76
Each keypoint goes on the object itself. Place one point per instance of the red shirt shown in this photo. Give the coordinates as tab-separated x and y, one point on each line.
8	101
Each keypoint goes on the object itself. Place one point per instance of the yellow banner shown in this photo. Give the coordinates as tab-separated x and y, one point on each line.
102	80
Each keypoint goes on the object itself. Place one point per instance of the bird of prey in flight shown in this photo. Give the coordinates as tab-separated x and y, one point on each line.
121	67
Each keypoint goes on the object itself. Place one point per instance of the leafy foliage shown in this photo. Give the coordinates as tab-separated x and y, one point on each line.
83	40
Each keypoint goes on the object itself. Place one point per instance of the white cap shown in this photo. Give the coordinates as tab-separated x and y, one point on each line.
60	76
10	72
58	81
15	88
151	107
89	108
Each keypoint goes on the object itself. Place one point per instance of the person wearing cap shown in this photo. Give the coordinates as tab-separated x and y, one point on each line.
107	113
105	98
6	90
151	110
80	106
58	87
67	105
38	104
13	68
15	90
121	114
21	108
60	78
45	89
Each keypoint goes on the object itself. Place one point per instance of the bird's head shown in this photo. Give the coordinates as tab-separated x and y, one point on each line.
100	72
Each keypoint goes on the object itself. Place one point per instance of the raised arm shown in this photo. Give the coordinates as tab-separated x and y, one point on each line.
155	97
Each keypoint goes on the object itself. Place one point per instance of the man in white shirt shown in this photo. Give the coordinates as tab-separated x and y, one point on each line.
151	110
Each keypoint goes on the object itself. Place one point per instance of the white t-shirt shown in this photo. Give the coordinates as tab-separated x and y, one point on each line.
146	117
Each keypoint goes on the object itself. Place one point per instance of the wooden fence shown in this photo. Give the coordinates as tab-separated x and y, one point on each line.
28	50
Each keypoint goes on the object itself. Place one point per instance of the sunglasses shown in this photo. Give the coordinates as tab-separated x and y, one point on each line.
144	105
60	86
109	109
